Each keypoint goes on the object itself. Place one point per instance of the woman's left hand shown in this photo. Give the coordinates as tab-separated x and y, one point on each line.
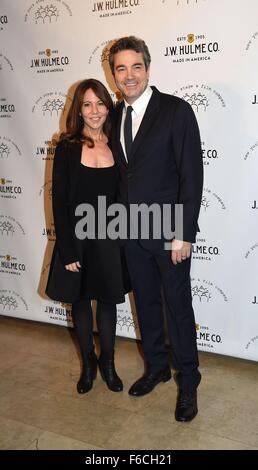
74	267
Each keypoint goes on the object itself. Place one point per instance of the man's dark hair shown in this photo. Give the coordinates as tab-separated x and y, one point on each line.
129	43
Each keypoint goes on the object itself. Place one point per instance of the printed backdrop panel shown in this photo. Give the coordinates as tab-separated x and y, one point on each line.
204	51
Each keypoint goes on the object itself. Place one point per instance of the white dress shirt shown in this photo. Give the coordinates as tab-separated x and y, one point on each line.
139	108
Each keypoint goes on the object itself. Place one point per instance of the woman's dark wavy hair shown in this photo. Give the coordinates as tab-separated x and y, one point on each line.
75	123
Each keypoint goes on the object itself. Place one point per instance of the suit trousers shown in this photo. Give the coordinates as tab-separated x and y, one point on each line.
150	274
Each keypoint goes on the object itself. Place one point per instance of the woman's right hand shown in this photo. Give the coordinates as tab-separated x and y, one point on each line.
74	267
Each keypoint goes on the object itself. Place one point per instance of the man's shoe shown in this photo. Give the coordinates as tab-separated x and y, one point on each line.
186	407
147	383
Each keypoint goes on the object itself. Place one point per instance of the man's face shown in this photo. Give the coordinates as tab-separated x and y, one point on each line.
130	74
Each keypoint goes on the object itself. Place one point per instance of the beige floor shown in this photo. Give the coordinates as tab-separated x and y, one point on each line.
40	408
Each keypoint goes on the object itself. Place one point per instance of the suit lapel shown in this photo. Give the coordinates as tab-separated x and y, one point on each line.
119	113
148	119
150	115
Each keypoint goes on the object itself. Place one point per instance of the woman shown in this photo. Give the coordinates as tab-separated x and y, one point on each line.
84	169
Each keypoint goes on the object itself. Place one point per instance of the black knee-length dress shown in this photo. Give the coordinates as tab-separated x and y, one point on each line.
104	274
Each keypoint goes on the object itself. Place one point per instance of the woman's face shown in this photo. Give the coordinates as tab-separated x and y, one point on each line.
93	111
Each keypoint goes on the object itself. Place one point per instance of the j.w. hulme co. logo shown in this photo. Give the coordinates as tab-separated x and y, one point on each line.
204	291
7	108
191	48
210	154
49	60
8	148
10	226
204	251
5	63
50	104
207	339
8	189
200	97
49	232
46	12
107	8
11	265
11	302
46	151
58	312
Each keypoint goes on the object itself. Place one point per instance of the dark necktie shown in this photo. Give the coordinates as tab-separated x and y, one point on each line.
128	131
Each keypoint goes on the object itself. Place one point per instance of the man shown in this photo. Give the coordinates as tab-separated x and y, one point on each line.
157	147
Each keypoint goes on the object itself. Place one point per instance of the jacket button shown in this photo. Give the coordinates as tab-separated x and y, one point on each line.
129	175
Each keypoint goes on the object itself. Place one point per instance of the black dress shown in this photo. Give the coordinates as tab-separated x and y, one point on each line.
104	275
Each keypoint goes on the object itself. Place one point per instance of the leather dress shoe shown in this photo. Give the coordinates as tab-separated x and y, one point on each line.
148	381
186	407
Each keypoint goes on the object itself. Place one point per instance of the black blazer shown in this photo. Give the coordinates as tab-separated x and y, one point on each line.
165	164
65	285
65	176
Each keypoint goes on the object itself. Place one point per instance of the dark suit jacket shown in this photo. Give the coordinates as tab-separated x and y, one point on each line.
165	164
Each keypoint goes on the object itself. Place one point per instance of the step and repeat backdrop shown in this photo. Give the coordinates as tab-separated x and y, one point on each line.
205	51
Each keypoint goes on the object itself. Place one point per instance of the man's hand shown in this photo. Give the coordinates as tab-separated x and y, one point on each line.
74	267
180	251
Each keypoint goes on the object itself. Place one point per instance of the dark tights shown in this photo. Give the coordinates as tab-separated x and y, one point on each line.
83	326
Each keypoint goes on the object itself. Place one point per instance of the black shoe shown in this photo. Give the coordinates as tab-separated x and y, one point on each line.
89	373
186	407
149	380
109	375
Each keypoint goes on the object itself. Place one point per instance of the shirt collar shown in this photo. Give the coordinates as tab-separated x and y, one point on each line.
141	102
